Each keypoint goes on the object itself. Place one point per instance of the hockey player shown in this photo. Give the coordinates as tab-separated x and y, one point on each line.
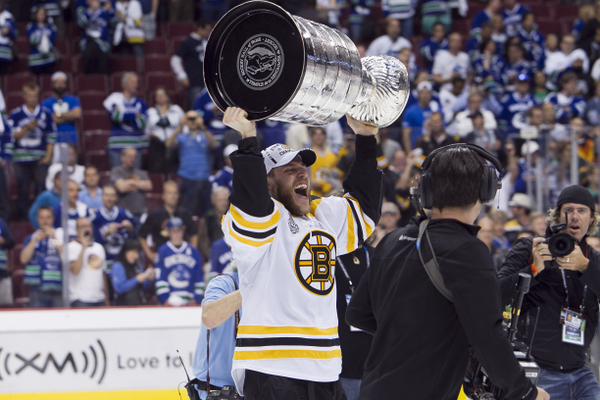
286	244
112	224
179	278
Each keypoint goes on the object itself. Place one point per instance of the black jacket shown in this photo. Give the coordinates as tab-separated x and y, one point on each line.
547	292
421	340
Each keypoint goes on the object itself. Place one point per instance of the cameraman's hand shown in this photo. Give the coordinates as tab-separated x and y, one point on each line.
575	261
540	253
542	394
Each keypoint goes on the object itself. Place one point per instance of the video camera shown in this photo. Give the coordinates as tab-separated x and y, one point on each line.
477	384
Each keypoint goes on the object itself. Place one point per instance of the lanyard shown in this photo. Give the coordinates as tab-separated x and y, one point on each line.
347	275
582	306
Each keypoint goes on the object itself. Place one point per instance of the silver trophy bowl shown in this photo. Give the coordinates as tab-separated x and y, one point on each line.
275	65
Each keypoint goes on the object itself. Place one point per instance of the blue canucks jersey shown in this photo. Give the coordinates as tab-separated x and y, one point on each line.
222	178
514	111
96	26
179	273
112	242
35	35
567	107
7	21
128	121
429	48
220	256
533	43
513	18
32	146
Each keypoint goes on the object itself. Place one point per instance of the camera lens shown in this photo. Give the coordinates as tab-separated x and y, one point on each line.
561	244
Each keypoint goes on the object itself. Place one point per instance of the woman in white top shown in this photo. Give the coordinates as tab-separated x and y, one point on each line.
129	35
163	119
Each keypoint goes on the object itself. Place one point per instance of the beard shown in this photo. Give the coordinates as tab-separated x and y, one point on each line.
59	91
285	195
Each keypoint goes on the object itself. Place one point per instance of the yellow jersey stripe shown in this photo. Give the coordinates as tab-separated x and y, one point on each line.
368	227
314	205
244	240
350	247
291	330
281	354
254	225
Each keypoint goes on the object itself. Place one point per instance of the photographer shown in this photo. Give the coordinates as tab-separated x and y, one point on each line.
564	288
421	339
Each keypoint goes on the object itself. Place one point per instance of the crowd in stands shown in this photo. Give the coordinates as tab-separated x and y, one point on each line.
120	82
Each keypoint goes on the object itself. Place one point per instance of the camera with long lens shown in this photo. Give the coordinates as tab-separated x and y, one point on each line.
560	243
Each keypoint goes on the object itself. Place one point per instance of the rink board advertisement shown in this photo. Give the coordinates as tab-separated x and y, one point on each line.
115	353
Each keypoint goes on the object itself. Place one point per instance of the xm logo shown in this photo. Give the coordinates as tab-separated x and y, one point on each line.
89	362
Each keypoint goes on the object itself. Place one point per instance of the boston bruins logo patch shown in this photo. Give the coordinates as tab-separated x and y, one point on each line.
313	263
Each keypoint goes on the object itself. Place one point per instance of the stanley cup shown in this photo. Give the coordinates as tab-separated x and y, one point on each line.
275	65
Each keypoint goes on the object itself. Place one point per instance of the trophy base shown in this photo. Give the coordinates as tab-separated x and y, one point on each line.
255	60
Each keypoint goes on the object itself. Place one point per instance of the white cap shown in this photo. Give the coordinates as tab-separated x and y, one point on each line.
424	85
230	148
279	155
58	74
532	148
521	200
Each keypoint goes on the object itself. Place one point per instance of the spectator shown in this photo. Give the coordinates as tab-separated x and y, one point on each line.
76	209
6	150
220	257
41	257
163	119
433	11
540	91
533	42
54	12
66	111
498	35
474	42
7	242
585	14
213	117
516	66
430	46
500	242
329	12
552	44
8	32
513	16
388	147
224	176
179	277
96	21
34	135
403	11
194	162
346	154
88	286
538	223
127	279
488	67
558	132
390	43
492	8
209	226
464	124
187	63
42	38
448	97
49	198
482	137
407	58
585	83
91	193
593	108
360	24
112	225
535	118
76	172
128	38
520	208
128	120
324	178
531	148
450	63
155	225
416	115
131	183
561	60
566	104
434	135
516	105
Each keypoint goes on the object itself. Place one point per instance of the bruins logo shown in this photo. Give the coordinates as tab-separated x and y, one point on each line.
314	259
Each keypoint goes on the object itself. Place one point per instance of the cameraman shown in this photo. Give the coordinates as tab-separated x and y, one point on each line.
421	339
566	285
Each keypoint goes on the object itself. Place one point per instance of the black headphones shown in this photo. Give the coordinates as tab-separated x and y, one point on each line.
422	195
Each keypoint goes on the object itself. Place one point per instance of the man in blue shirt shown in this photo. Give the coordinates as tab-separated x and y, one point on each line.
66	109
50	197
34	134
221	310
417	114
195	143
91	193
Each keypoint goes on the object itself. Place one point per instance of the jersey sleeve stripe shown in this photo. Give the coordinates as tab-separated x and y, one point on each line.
351	242
289	354
314	205
247	221
368	223
286	330
255	235
249	242
286	341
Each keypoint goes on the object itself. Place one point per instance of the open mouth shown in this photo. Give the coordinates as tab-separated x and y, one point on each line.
574	228
301	190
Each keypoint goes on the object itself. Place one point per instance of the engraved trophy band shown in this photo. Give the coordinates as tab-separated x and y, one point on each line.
274	65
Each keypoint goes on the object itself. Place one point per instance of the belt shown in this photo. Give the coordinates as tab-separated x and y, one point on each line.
201	385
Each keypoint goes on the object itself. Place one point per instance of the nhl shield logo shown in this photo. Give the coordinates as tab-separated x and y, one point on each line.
260	62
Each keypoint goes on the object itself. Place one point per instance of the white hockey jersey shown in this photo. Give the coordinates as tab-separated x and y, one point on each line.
286	269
